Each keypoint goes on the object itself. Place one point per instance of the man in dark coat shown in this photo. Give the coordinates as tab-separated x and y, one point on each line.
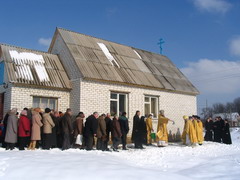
54	115
123	120
226	133
218	126
67	129
116	133
90	130
101	132
137	131
108	130
209	130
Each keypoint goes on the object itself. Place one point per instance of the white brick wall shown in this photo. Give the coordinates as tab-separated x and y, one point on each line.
88	96
95	96
75	96
23	97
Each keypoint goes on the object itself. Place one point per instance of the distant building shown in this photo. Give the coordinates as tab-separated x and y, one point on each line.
90	74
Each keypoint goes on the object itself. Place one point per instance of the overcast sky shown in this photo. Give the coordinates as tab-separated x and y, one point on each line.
202	37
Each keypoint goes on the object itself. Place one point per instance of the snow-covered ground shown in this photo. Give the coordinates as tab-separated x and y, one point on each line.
209	161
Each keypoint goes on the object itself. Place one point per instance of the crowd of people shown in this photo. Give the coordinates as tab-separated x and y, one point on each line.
217	131
34	128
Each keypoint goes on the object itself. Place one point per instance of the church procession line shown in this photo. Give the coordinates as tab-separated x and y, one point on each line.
53	129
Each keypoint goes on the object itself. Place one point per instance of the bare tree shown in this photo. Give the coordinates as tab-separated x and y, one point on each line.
218	108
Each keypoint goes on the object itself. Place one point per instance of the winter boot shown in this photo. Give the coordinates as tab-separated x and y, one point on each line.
30	145
34	145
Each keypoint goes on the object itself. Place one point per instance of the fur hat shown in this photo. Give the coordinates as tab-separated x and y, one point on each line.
47	110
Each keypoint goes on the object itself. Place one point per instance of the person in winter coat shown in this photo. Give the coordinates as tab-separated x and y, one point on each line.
108	130
162	132
67	129
48	124
226	133
101	132
189	134
55	117
137	132
208	130
36	128
149	129
143	130
24	127
78	129
116	133
5	119
218	127
123	120
90	130
12	130
197	123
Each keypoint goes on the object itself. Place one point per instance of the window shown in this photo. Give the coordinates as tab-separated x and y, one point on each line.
151	105
1	73
45	102
118	103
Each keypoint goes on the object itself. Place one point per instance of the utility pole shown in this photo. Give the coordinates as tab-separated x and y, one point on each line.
207	112
160	43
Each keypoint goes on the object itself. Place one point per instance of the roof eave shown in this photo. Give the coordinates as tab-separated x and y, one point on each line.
142	86
40	87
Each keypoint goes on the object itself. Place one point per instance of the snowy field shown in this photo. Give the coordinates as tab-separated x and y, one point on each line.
209	161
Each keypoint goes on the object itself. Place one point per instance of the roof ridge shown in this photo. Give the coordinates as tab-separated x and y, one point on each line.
111	41
39	51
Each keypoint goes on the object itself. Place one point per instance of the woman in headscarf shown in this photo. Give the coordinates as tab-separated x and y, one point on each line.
24	127
12	129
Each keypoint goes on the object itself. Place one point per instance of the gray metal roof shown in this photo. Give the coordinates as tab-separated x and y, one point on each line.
35	68
134	66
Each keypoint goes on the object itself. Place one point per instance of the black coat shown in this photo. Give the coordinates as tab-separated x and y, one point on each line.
139	129
209	131
91	126
108	125
66	124
54	130
226	135
124	124
218	130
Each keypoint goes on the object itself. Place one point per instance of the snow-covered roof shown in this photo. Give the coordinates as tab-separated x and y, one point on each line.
25	66
102	60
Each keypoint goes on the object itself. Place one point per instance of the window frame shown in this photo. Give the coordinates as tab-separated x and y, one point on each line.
48	101
150	104
117	100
